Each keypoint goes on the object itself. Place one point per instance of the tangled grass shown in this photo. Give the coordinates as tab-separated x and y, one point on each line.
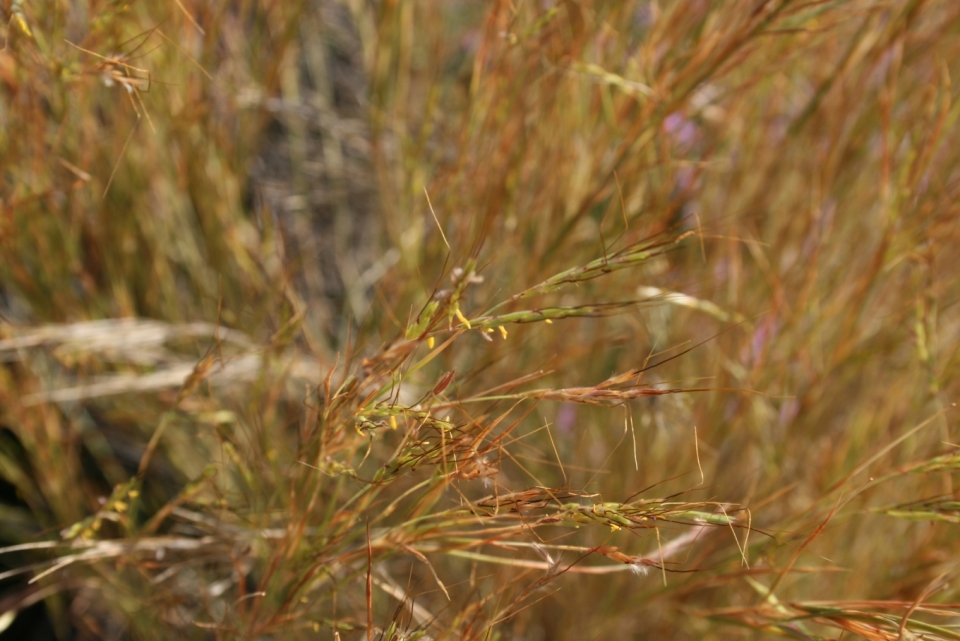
652	331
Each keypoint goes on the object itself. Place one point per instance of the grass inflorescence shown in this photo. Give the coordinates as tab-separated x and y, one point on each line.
446	320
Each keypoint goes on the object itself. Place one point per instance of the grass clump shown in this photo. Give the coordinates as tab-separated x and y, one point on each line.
437	320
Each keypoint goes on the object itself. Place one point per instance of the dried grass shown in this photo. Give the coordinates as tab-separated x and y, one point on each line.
655	334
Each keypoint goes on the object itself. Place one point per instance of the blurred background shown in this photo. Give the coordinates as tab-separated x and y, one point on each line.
231	231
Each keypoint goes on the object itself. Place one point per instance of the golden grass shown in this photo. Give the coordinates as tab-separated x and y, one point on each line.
651	330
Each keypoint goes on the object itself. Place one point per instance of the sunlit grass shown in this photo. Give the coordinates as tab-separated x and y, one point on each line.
586	320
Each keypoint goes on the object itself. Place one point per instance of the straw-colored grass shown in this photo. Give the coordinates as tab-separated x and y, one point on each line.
448	320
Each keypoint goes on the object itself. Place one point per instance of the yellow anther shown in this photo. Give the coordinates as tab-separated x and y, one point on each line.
431	342
503	331
463	319
22	23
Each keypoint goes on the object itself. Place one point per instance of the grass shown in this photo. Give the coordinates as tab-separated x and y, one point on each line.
446	320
